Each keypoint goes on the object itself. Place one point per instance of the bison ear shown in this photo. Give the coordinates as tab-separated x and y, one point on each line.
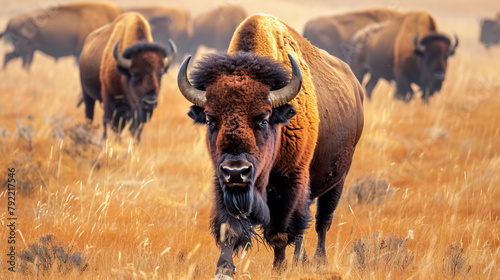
282	114
197	114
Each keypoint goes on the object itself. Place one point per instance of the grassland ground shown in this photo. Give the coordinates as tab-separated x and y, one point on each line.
421	199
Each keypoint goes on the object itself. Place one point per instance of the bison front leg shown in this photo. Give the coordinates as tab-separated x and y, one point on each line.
299	253
229	237
225	265
108	113
28	59
89	107
290	215
8	57
404	91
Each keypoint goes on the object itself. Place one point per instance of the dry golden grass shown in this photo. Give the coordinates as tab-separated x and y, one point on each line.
142	211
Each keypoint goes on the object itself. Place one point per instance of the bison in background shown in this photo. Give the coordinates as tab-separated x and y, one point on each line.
214	28
121	66
168	23
58	31
408	49
490	32
334	33
276	142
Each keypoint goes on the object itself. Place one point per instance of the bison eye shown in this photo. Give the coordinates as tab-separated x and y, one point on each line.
211	122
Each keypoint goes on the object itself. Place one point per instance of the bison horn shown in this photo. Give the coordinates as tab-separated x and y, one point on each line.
192	94
286	94
452	49
171	55
120	60
418	47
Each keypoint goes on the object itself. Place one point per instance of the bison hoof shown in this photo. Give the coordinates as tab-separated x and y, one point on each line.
319	260
225	271
221	276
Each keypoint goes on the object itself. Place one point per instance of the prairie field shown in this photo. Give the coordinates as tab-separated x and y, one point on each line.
421	201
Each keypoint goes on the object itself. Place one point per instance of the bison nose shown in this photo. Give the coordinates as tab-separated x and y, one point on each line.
438	76
236	172
149	102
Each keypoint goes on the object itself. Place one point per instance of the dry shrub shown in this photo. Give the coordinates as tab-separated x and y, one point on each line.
454	261
28	175
46	258
368	190
371	253
84	141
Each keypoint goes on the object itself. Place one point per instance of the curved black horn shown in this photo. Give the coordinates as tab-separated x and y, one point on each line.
171	55
286	94
120	60
452	49
419	47
192	94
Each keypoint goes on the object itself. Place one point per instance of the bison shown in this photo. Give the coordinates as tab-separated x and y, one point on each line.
215	28
121	67
276	142
168	23
58	31
490	32
334	33
407	49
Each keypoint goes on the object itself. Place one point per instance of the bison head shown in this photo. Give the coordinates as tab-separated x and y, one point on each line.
142	65
243	100
433	50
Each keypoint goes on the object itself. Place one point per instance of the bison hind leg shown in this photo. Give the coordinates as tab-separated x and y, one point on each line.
326	205
371	85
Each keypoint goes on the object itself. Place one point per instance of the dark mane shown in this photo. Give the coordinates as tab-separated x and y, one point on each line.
144	46
260	68
435	36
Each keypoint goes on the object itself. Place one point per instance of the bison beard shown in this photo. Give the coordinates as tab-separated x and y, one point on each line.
238	203
247	212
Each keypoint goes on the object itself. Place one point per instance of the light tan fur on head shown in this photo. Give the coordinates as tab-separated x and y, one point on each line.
129	28
412	22
273	38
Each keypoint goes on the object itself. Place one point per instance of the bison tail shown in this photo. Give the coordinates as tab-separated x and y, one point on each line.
79	102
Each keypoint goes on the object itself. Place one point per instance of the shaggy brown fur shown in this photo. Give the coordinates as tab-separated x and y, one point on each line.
260	68
57	31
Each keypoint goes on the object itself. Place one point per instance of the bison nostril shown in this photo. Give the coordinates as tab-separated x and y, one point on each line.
246	173
234	173
438	75
225	172
150	101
